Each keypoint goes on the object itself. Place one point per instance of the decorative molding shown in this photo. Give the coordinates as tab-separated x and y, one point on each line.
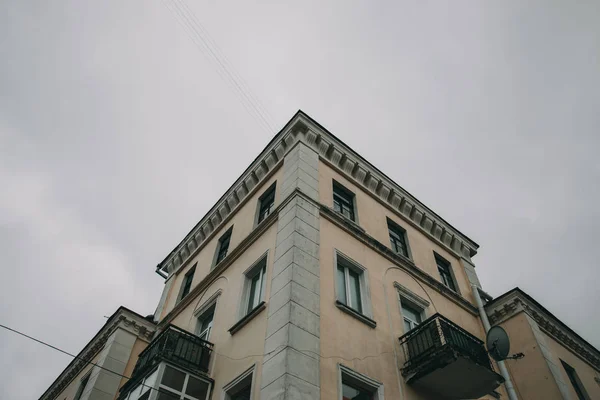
517	301
399	260
247	318
411	296
122	318
344	160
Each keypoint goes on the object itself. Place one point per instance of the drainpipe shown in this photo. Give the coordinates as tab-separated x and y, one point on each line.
512	394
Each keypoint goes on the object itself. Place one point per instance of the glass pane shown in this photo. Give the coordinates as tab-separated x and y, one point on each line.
355	291
341	285
166	395
254	289
145	396
173	378
243	394
196	388
411	314
352	393
407	325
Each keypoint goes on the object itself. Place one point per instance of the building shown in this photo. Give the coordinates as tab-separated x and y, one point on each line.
315	276
558	363
114	348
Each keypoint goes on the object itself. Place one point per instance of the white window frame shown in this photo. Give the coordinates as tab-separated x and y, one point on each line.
412	300
358	380
239	383
157	383
363	277
199	313
256	268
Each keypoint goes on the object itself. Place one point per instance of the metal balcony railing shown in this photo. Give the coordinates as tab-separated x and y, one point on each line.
178	347
435	337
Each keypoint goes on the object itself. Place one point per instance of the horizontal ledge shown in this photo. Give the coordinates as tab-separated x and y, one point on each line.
246	318
361	317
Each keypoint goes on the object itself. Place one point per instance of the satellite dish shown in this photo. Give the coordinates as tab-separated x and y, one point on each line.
497	343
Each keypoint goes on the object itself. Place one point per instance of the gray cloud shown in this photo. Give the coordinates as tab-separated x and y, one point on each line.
117	134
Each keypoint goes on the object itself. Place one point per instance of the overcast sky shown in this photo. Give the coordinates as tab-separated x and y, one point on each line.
117	134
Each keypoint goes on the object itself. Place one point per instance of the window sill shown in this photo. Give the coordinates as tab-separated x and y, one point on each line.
246	318
361	317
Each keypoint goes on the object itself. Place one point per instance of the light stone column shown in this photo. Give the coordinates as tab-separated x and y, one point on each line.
291	368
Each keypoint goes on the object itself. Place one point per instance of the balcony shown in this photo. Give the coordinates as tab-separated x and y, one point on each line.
446	361
176	347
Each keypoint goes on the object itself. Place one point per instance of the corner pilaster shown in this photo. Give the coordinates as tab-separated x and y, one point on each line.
291	366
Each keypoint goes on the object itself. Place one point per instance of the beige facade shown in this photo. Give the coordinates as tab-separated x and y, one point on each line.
550	348
281	292
101	367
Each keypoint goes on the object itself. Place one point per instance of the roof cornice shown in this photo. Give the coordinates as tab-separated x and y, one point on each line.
122	318
342	158
515	301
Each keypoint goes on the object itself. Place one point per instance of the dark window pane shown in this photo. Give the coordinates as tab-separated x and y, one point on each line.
341	285
343	202
145	396
398	240
353	393
254	291
166	395
82	386
173	378
266	204
196	388
223	246
445	274
243	394
354	284
579	390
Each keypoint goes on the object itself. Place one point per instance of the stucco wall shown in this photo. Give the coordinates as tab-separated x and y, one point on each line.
247	344
71	389
531	375
344	338
585	371
372	216
137	348
242	222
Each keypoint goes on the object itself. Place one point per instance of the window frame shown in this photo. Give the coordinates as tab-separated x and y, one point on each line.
156	386
356	379
258	267
187	278
407	298
450	271
224	237
83	382
200	313
401	233
340	190
239	383
366	313
270	191
576	383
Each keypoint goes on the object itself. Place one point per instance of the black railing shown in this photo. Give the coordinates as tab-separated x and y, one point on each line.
436	336
176	346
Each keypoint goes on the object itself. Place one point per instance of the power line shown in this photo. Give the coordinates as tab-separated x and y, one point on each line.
227	65
277	349
200	37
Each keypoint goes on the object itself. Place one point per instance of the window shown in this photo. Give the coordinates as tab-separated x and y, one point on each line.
254	286
241	387
445	271
186	285
411	316
205	323
266	203
355	386
178	385
575	381
352	289
223	246
343	201
398	239
82	386
348	287
412	307
144	389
